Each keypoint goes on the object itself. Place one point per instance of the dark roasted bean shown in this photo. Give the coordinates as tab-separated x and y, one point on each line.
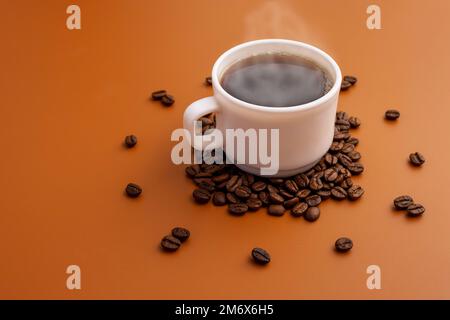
291	202
301	180
347	148
272	189
315	184
355	192
343	244
168	100
330	159
302	194
276	181
219	199
243	192
260	256
201	196
231	198
337	146
157	95
351	79
133	190
314	200
346	183
324	194
253	204
392	114
403	202
130	141
355	168
291	186
345	85
354	122
285	194
312	214
341	115
330	174
208	81
299	209
233	183
415	210
237	209
338	193
353	140
181	233
276	198
259	186
416	159
221	178
354	155
264	197
193	170
276	210
170	243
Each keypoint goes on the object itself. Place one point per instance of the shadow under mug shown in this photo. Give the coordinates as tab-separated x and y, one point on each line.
305	131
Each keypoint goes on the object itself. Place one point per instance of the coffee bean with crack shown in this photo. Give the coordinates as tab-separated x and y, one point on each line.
330	174
264	197
415	210
330	159
304	193
315	183
416	159
392	114
276	198
286	195
354	122
219	199
291	202
237	209
234	182
338	193
260	256
347	148
201	196
355	192
343	244
291	186
324	194
355	168
259	186
299	209
336	146
253	204
314	200
301	180
232	198
170	243
403	202
181	233
243	192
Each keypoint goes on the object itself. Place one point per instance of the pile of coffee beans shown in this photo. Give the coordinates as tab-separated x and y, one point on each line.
165	98
406	203
173	241
331	178
347	82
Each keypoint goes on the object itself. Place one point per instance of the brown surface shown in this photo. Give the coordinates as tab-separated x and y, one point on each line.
69	98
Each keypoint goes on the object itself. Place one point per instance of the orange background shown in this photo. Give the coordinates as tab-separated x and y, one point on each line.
68	98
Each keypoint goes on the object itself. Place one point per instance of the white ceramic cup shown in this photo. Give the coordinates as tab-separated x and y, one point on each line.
305	131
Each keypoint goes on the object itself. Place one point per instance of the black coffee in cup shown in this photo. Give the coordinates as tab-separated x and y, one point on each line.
276	80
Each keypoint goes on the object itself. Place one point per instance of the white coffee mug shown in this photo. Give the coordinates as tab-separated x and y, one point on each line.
305	131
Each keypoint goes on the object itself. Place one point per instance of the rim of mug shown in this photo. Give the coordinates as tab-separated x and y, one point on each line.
331	93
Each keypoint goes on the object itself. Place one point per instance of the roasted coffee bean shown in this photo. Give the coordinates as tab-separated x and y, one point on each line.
208	81
301	180
260	256
286	195
276	198
302	194
259	186
243	192
168	100
201	196
324	194
342	124
355	192
330	174
315	184
415	210
219	199
170	243
133	190
312	214
232	198
253	204
343	244
403	202
309	174
237	209
203	175
341	115
354	122
130	141
207	185
193	170
291	186
272	189
203	180
338	193
314	200
299	209
355	168
416	159
353	140
341	136
254	196
392	114
233	183
346	183
345	173
330	159
157	95
276	210
213	168
354	155
264	197
181	233
345	85
291	202
249	178
221	178
351	79
336	146
347	148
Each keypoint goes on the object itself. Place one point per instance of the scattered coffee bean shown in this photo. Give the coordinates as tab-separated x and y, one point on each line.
208	81
170	243
219	199
180	233
130	141
313	201
157	95
415	210
403	202
253	204
133	190
276	210
355	192
392	114
416	159
338	193
312	214
167	100
345	85
351	79
260	256
299	209
201	196
354	122
343	244
238	209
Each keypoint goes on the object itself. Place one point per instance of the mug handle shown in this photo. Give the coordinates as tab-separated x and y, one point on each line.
197	110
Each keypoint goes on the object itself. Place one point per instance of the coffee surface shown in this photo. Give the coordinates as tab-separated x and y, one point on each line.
276	80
